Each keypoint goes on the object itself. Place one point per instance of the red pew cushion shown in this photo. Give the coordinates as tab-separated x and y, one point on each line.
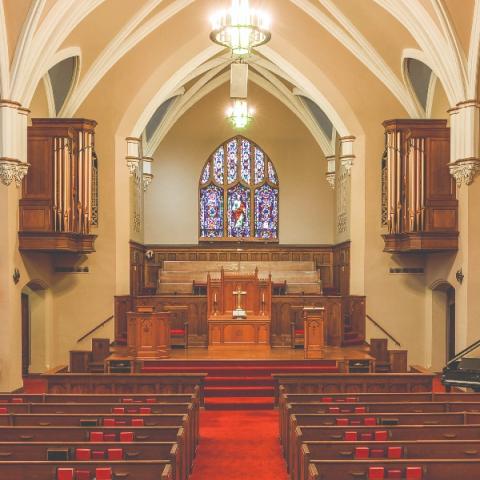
65	473
103	473
376	473
352	399
96	436
360	410
327	400
362	452
118	410
342	421
394	452
108	422
350	436
151	400
127	400
299	332
83	454
414	473
369	421
17	400
333	410
145	410
126	436
137	422
3	411
115	454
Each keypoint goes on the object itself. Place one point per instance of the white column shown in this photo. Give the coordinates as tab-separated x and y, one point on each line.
13	142
134	154
465	141
346	152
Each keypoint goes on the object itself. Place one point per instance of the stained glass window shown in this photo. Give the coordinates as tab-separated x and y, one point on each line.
239	194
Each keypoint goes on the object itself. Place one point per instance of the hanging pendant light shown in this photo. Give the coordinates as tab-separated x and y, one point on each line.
239	114
241	28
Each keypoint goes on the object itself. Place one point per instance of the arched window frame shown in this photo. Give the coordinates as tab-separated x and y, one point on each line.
251	187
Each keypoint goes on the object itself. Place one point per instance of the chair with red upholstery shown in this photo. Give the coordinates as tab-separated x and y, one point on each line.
350	436
394	473
414	473
115	454
178	330
118	410
3	411
17	400
126	436
145	410
342	422
376	473
297	332
96	437
83	454
361	453
394	452
137	422
108	422
104	473
83	475
381	436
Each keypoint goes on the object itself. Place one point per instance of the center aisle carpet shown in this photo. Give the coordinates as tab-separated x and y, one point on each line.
239	444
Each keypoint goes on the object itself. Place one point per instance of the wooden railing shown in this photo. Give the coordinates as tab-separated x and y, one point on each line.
383	330
94	329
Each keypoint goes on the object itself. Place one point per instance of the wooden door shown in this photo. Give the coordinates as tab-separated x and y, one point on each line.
25	334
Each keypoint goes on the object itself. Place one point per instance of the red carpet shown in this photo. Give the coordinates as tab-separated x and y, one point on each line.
239	445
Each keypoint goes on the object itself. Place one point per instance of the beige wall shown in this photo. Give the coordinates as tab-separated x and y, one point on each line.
306	201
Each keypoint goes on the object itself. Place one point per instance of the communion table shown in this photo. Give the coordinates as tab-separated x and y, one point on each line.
239	309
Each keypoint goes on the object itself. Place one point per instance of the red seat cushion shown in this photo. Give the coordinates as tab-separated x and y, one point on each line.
414	473
151	400
98	455
104	473
127	400
343	422
109	422
115	454
394	452
327	399
381	436
360	410
96	436
65	473
83	454
369	421
145	410
350	436
376	473
299	332
137	422
333	410
118	410
126	436
394	473
352	399
17	400
177	332
362	452
83	475
3	411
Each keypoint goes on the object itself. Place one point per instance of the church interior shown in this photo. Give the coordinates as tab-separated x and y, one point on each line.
239	239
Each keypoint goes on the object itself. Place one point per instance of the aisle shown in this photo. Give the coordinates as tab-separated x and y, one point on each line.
239	444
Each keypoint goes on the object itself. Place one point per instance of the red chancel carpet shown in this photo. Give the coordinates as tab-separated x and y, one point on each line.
239	444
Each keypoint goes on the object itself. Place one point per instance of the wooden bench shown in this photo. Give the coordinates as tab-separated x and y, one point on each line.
346	451
141	469
421	469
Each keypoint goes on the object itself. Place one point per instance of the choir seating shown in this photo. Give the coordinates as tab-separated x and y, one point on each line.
187	277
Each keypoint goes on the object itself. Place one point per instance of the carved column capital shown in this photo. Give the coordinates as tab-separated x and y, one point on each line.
330	178
465	170
12	170
147	180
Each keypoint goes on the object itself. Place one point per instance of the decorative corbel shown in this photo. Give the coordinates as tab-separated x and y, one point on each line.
464	171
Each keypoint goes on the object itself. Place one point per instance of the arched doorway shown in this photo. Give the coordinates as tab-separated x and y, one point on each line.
35	327
443	323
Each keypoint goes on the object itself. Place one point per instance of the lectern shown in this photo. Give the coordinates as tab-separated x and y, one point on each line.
148	334
314	326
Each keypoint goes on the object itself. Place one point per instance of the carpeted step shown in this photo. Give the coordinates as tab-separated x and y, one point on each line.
239	403
230	381
239	391
240	371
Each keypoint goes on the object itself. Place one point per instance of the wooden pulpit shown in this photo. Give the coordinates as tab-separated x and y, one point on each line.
314	328
148	334
239	309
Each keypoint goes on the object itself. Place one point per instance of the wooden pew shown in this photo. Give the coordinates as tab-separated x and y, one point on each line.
40	451
345	451
141	469
431	469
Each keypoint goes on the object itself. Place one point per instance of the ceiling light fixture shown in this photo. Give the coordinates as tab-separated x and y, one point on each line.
239	114
240	28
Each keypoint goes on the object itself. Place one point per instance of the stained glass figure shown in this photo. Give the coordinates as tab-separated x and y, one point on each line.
246	163
238	206
259	166
272	175
232	161
206	173
239	195
266	212
211	212
218	165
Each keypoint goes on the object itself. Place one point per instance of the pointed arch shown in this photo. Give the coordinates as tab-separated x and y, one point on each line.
238	194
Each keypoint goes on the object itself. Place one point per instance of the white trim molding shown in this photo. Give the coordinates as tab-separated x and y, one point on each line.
346	153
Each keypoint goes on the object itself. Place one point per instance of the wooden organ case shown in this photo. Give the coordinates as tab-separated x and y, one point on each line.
56	203
421	195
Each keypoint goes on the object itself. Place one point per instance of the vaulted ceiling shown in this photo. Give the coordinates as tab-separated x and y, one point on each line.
339	60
